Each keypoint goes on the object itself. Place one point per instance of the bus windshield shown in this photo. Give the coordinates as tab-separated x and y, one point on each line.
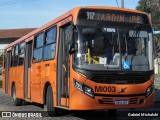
103	48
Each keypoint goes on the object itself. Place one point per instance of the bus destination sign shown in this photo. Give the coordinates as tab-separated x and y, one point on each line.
114	16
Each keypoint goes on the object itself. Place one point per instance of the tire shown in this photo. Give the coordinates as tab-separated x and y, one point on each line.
17	101
49	102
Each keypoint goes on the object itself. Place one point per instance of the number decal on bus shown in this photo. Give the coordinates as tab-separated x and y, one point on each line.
105	89
90	15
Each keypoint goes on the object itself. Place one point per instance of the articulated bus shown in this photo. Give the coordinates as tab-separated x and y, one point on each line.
90	58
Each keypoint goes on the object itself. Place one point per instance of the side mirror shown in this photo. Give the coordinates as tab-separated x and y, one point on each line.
71	41
69	35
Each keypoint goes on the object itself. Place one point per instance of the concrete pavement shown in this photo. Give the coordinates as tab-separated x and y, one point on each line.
157	88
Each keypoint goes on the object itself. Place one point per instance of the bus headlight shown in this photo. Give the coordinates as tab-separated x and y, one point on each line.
78	85
149	90
88	91
85	89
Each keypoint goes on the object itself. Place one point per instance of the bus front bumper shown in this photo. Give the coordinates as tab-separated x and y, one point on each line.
81	101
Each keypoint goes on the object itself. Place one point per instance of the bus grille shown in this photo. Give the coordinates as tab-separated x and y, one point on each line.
106	101
120	78
110	101
133	101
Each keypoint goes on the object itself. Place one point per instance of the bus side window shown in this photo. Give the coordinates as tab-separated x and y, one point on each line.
21	53
16	56
12	57
50	44
38	47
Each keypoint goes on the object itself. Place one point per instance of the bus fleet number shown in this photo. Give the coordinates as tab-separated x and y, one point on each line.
105	89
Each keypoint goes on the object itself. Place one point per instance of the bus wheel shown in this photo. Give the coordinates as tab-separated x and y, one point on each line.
49	102
17	101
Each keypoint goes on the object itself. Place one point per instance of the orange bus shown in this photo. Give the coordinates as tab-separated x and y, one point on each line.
90	58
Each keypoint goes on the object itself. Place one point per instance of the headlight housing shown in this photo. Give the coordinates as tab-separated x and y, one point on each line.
149	90
85	89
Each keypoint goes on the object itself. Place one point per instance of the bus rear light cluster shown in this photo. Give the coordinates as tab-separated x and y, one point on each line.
85	89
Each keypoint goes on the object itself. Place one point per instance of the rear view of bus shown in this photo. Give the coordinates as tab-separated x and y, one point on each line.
112	60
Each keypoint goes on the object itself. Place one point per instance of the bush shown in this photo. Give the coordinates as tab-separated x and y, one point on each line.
0	83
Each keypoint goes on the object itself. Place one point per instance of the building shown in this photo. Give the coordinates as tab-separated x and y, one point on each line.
9	35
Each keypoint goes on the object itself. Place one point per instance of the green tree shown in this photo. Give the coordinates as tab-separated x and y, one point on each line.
152	7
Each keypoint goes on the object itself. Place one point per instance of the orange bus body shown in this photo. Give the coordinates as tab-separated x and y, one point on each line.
44	73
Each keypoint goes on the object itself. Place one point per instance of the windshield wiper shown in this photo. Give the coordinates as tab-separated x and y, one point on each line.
136	30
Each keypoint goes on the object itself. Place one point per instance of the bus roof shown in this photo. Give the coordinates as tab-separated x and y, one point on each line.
74	13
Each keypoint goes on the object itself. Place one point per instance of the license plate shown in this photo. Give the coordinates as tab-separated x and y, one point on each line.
121	102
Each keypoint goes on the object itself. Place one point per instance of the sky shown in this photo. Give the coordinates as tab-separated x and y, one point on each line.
35	13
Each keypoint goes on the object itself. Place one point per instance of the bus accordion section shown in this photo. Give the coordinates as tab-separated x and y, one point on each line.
90	58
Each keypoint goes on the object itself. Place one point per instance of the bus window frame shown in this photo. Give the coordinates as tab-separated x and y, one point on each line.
41	47
12	57
21	53
54	26
16	55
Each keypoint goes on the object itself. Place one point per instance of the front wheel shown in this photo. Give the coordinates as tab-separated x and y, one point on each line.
17	101
49	102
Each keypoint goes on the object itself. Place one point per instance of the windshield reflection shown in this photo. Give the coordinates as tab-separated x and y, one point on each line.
105	48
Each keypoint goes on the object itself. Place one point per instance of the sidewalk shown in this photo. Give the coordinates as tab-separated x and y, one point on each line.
157	81
157	88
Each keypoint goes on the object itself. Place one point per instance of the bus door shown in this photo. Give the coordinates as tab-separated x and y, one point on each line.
27	70
7	66
63	68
